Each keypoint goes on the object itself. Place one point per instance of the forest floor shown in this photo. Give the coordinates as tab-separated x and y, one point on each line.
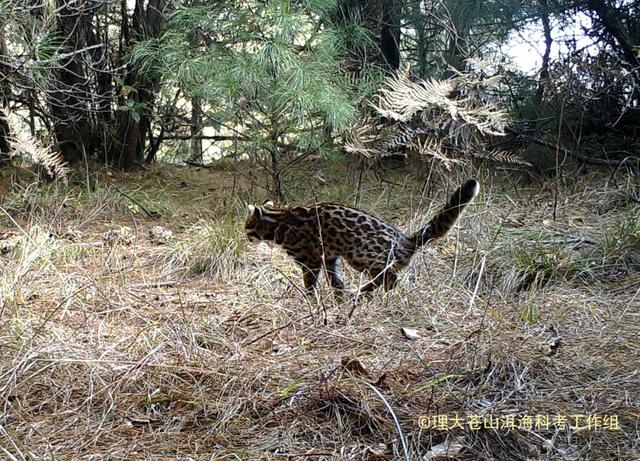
513	338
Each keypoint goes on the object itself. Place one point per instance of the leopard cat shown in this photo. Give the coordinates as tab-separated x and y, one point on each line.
317	236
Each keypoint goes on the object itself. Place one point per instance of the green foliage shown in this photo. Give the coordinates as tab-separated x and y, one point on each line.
269	70
33	41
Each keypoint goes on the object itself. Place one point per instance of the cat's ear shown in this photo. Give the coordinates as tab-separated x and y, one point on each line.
268	203
254	211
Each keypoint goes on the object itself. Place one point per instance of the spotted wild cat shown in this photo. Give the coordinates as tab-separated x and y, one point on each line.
317	236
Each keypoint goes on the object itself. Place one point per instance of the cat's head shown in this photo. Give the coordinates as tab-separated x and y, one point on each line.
261	222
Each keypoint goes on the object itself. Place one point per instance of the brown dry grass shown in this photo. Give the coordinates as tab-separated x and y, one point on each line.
121	348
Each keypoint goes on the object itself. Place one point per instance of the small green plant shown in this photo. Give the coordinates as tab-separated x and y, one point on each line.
529	314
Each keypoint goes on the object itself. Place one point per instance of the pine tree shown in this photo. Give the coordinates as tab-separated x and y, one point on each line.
269	75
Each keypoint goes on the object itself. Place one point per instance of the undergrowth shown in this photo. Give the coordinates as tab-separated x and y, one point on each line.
608	247
117	344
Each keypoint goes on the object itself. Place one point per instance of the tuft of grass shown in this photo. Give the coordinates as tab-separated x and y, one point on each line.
27	257
210	249
619	246
47	202
524	258
543	262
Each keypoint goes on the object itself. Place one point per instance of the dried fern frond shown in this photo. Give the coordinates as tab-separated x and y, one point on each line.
402	98
432	147
24	144
477	64
50	160
404	135
502	156
423	115
461	98
365	139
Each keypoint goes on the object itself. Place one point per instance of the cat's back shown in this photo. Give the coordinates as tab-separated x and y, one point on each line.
353	225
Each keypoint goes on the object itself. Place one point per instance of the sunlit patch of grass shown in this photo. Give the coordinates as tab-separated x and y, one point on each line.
31	198
154	202
525	258
620	243
27	256
545	262
47	202
581	251
211	249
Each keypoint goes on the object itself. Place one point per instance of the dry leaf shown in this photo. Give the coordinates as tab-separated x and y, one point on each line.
551	346
446	449
410	333
160	235
379	449
354	366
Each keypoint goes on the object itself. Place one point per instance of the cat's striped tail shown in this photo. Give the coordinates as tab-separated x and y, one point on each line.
447	217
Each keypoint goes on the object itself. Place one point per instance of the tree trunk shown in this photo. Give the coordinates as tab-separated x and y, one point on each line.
544	68
422	45
5	146
69	99
103	80
390	34
460	20
276	175
196	131
5	91
610	17
383	19
127	148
